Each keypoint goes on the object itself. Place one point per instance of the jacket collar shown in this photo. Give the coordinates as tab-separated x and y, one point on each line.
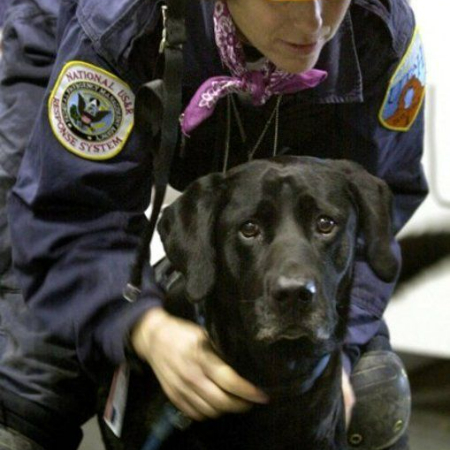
340	59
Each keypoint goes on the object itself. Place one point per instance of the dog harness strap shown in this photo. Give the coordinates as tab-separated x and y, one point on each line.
304	386
174	35
316	373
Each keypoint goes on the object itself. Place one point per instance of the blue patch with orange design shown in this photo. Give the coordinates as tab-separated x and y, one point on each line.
406	89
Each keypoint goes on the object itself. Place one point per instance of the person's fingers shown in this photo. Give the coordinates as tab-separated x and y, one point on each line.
183	404
202	408
191	374
227	378
191	391
204	394
216	397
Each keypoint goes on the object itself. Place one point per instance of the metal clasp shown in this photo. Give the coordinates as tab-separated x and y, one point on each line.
163	43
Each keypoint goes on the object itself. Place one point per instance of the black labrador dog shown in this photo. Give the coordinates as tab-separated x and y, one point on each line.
267	252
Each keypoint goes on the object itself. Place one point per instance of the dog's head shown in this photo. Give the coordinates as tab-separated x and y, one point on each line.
270	245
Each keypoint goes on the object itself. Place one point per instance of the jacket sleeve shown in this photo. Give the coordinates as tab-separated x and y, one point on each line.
388	150
77	208
29	45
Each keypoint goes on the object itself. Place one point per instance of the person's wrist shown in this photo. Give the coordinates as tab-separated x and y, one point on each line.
143	333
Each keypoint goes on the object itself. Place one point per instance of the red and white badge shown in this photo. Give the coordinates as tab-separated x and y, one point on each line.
91	111
114	413
406	89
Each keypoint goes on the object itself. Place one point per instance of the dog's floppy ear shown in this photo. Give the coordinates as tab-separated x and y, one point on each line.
186	229
374	201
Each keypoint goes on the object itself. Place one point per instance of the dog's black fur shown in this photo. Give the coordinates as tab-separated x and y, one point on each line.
268	250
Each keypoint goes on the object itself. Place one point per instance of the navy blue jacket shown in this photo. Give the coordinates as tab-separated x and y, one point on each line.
77	208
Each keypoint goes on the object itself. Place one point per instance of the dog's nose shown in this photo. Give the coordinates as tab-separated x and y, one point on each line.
294	290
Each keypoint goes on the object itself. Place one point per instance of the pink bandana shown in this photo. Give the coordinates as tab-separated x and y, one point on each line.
260	84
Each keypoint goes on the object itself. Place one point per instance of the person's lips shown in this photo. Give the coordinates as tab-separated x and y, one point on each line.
301	49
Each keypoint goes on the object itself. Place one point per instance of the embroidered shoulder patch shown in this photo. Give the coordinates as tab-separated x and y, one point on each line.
406	89
91	111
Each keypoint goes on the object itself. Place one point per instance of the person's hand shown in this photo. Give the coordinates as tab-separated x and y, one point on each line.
191	374
349	397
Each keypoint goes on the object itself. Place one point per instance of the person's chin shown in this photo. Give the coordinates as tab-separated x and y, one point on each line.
296	63
296	66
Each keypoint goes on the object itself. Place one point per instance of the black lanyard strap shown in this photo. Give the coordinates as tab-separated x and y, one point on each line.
169	94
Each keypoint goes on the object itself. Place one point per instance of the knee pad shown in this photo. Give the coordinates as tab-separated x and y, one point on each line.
383	401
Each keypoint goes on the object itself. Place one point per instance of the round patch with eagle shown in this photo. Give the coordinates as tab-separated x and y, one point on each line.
406	89
91	111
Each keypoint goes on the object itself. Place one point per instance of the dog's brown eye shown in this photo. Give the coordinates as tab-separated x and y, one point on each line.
250	230
325	225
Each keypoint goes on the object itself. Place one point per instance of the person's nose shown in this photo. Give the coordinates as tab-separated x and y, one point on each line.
306	16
